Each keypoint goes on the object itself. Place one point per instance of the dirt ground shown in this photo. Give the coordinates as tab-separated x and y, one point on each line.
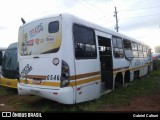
4	105
141	103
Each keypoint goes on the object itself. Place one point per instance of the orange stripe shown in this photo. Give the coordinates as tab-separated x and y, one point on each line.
84	75
35	77
56	84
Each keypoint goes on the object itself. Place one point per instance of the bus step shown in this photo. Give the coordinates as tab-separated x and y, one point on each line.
105	92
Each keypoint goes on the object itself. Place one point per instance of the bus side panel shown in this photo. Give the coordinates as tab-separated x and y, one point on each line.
87	80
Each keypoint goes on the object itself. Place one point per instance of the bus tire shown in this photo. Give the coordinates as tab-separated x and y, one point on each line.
127	76
119	80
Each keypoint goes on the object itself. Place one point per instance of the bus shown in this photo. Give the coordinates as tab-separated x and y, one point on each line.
9	67
2	50
69	60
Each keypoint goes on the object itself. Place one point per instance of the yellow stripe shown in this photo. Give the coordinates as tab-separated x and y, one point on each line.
87	75
88	80
136	68
72	83
12	83
57	84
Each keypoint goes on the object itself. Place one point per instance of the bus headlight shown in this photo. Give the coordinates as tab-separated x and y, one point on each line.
65	73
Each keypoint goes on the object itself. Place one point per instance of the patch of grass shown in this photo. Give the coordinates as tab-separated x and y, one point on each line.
7	91
122	96
155	73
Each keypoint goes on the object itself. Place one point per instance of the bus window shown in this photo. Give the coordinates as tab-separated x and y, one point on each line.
118	50
85	45
140	50
127	44
128	49
134	49
144	51
53	27
9	64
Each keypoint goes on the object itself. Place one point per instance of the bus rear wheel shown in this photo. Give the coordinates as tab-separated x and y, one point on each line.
119	80
127	77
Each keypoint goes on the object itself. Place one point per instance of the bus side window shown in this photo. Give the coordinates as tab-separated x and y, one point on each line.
79	51
117	47
84	40
0	57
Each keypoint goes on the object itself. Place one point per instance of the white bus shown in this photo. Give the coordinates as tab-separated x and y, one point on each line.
70	60
9	74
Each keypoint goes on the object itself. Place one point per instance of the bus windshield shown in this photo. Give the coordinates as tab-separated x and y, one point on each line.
9	63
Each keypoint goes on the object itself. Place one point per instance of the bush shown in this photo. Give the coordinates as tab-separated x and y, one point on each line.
156	64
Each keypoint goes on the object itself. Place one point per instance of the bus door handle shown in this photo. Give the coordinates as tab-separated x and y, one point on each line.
36	57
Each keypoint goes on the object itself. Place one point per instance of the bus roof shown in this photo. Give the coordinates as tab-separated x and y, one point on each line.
12	45
89	24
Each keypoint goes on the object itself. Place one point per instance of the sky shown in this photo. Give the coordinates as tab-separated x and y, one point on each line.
139	19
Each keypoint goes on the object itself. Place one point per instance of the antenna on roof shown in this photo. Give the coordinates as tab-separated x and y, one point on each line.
23	21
